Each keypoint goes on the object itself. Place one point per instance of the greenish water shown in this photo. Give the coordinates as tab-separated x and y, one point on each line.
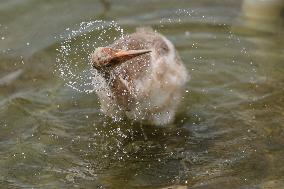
229	132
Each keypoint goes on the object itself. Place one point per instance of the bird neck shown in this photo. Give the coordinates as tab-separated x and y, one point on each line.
118	88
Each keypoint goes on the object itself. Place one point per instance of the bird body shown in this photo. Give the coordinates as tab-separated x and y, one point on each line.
140	76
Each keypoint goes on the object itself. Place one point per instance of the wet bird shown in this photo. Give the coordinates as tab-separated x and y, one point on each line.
140	76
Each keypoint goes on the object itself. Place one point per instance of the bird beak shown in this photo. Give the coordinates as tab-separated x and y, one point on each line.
123	55
130	53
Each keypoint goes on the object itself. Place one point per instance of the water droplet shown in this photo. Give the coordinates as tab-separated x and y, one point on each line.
72	64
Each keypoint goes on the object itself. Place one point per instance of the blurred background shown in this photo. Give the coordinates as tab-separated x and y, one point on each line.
229	132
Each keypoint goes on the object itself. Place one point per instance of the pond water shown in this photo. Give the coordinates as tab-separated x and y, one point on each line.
228	133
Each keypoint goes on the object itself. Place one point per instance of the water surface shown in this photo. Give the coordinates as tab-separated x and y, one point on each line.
228	133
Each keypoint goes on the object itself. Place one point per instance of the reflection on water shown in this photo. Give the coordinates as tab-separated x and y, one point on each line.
228	132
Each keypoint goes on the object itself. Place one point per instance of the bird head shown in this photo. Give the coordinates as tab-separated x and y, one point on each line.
104	57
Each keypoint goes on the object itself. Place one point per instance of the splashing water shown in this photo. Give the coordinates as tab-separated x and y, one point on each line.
3	38
73	61
231	40
221	137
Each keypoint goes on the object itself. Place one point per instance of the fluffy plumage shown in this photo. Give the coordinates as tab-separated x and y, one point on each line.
144	85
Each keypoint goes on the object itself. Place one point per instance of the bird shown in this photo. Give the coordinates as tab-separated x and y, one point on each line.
140	76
